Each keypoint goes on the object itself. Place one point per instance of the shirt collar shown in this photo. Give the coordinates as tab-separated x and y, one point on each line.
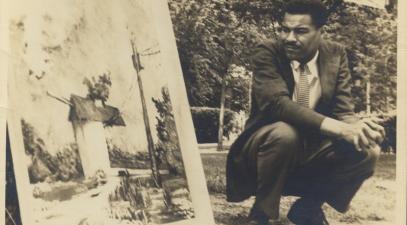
295	64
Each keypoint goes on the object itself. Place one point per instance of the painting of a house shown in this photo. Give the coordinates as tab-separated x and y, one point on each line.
112	153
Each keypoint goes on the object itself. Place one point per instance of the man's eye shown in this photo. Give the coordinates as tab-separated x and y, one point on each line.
284	30
301	31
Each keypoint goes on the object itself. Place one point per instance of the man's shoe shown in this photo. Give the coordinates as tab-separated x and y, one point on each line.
275	222
258	222
255	222
257	217
306	212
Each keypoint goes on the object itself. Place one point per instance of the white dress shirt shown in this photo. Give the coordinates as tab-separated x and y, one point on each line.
313	79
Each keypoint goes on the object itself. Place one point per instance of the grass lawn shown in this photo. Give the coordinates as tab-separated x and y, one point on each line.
373	204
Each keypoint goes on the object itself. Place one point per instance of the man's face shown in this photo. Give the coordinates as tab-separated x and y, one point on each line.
300	36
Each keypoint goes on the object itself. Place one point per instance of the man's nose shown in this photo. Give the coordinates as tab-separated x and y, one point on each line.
290	37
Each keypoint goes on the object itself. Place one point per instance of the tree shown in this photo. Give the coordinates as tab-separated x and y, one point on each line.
218	40
167	149
370	36
214	35
210	38
99	88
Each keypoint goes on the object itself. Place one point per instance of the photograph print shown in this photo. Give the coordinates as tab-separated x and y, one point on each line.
264	78
92	130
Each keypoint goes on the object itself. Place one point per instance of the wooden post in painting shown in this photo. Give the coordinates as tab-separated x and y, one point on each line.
150	144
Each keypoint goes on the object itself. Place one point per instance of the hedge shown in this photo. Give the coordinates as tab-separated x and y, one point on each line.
390	143
206	123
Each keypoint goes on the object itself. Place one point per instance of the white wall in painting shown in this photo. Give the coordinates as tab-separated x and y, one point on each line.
91	140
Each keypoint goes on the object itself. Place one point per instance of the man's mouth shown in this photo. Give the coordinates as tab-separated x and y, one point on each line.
292	48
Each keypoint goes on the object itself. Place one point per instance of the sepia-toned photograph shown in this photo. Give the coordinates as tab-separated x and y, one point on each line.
190	112
294	107
93	135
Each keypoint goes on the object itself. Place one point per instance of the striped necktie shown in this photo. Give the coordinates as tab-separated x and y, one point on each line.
303	86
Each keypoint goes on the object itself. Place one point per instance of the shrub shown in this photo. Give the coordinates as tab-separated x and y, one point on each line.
122	159
65	165
206	123
69	163
389	143
167	149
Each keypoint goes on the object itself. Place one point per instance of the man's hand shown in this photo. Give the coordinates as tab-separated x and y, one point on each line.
363	134
374	124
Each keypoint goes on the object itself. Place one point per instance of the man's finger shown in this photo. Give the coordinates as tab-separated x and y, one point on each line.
377	120
376	149
356	143
374	119
374	135
376	127
371	134
363	140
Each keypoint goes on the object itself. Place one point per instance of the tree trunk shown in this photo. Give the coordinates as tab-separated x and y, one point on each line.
221	115
368	106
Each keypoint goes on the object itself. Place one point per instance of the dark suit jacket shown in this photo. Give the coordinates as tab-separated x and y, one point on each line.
272	89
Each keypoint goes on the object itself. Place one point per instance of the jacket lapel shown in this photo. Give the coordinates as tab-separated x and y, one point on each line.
328	65
286	68
289	76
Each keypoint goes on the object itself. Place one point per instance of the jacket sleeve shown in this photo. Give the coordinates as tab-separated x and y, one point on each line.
270	91
343	107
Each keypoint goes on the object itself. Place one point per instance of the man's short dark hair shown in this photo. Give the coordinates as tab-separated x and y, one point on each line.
314	8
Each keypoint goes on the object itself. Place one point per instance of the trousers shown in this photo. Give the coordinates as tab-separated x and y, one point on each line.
290	161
